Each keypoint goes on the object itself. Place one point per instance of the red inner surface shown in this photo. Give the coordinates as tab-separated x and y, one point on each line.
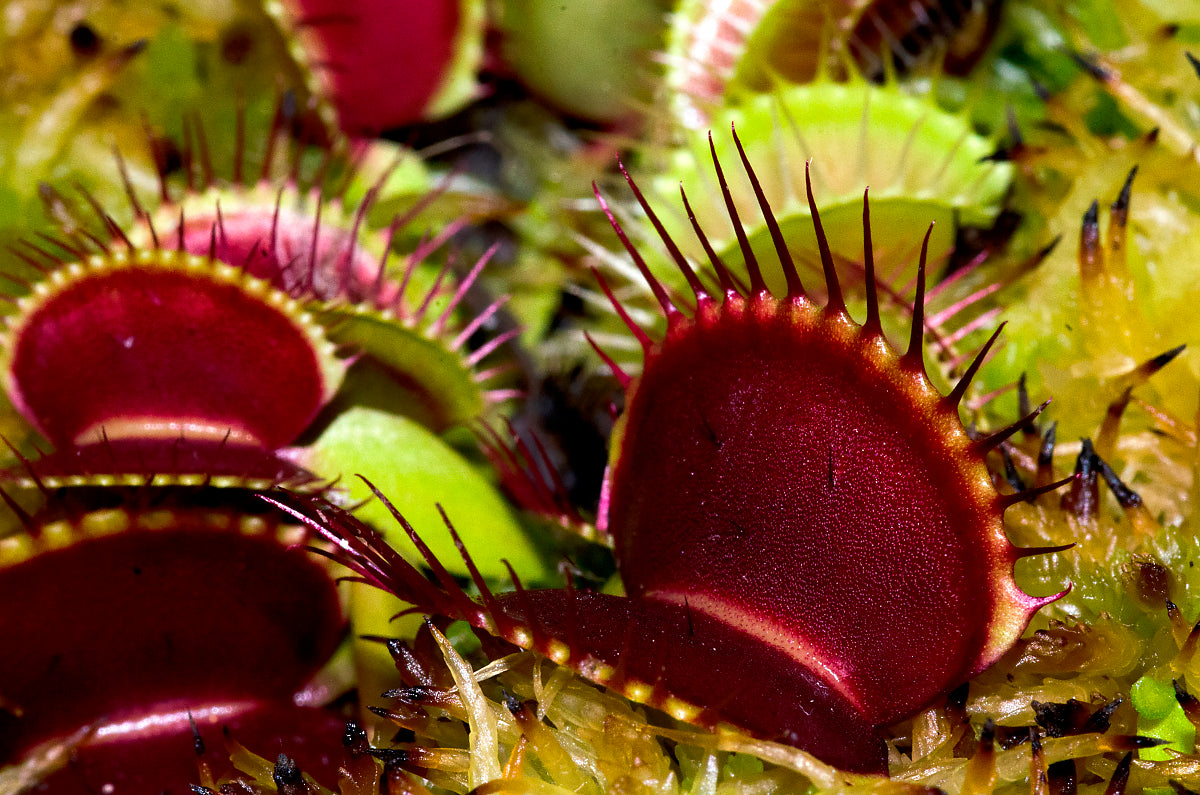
766	471
382	59
705	663
136	343
161	620
165	760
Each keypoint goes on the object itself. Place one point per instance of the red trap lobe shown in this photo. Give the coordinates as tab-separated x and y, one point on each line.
166	344
810	541
132	616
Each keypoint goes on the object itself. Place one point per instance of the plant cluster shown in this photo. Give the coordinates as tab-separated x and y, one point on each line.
445	396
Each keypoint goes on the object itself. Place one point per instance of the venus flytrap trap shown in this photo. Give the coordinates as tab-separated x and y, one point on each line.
122	699
300	218
378	65
724	54
535	41
692	520
920	162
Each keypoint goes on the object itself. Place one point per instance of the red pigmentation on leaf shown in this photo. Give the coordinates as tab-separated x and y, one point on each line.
132	616
292	250
810	541
166	344
381	63
778	468
166	757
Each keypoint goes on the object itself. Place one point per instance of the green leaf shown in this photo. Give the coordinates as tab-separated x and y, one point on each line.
418	471
423	369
